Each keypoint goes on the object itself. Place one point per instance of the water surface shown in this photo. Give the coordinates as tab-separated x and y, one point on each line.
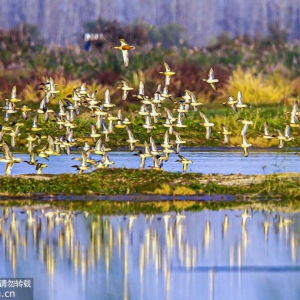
159	256
206	162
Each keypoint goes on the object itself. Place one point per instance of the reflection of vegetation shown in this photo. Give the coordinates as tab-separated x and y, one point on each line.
110	207
132	181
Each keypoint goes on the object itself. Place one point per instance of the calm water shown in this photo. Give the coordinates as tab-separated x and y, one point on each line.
203	162
160	256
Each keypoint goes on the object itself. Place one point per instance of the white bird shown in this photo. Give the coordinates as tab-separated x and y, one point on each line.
131	139
168	73
245	145
240	103
126	88
107	103
211	79
185	162
225	133
207	124
267	134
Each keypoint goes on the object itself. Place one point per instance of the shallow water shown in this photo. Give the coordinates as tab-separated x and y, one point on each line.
161	256
203	162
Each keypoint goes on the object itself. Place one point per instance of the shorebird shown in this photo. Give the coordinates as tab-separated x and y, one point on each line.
107	102
25	109
169	115
179	121
225	132
125	88
267	134
39	167
131	139
13	95
244	130
231	102
32	160
94	133
148	124
120	121
144	155
207	124
144	110
35	126
154	151
52	88
168	73
286	137
185	162
244	121
83	166
158	98
8	158
165	94
193	101
141	93
157	162
106	160
211	79
166	142
178	139
245	145
14	134
240	103
100	148
154	113
294	116
124	47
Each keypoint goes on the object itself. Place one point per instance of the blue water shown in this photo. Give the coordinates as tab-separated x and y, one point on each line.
157	256
222	162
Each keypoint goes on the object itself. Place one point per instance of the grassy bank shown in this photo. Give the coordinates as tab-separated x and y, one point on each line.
283	186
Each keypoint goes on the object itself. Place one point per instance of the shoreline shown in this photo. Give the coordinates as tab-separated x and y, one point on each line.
119	184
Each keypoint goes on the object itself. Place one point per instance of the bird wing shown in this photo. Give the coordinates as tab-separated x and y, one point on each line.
6	151
167	67
147	149
125	94
107	96
168	80
8	168
244	130
208	132
152	143
203	115
141	88
130	134
13	92
266	129
125	54
287	131
240	97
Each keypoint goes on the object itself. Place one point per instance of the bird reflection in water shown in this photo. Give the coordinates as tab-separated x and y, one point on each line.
141	248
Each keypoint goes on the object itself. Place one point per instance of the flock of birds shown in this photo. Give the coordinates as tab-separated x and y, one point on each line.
152	109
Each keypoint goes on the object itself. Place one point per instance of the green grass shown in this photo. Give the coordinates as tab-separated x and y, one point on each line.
133	181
